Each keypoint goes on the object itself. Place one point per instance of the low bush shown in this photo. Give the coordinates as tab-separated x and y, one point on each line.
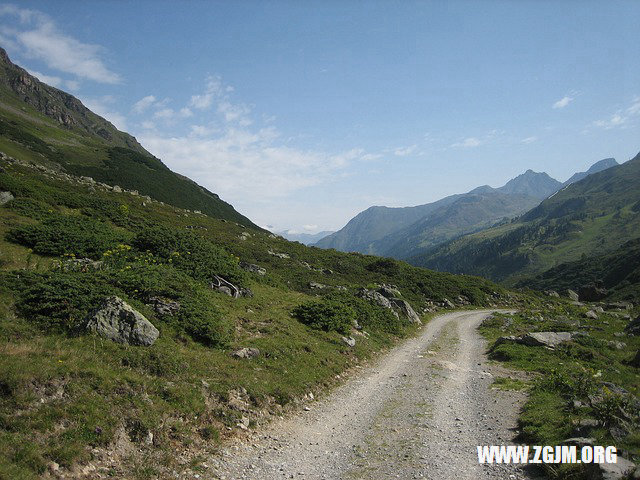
64	234
190	253
327	315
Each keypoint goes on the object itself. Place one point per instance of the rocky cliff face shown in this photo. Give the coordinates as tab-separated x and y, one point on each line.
64	108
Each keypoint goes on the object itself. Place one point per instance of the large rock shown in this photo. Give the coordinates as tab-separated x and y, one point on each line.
116	320
247	352
545	339
375	297
406	310
634	327
572	295
164	306
5	197
591	314
389	291
537	339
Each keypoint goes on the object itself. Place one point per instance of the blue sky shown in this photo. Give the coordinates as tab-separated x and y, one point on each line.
302	114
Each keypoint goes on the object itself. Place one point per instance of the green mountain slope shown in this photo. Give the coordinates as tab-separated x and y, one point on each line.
617	271
469	213
588	218
47	126
376	223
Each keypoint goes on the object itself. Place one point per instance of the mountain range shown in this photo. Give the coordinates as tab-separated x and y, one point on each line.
572	237
406	232
304	238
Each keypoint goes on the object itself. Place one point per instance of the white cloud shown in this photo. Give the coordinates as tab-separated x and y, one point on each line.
240	164
213	89
529	140
38	37
470	142
405	151
621	118
563	102
310	228
143	104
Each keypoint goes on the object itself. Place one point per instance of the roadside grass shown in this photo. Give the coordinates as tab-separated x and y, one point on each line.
584	388
509	383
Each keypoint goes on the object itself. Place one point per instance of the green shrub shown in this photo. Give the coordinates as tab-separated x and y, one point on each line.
190	253
204	323
327	315
59	301
63	234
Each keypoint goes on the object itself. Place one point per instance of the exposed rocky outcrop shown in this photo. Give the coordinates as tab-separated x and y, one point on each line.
164	306
396	305
247	352
538	339
116	320
253	268
224	286
572	295
5	197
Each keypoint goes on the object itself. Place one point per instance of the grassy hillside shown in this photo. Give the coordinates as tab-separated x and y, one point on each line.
68	398
47	126
618	271
590	218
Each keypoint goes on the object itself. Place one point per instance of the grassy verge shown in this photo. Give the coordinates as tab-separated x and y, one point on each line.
585	387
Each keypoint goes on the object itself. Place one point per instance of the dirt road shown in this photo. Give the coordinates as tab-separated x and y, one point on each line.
418	412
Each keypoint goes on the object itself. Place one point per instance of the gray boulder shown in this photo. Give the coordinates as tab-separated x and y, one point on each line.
116	320
5	197
545	339
389	291
552	293
537	339
591	314
164	306
247	352
447	303
253	268
375	297
406	310
350	341
572	295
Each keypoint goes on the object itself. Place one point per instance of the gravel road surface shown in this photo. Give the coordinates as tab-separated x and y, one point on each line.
418	411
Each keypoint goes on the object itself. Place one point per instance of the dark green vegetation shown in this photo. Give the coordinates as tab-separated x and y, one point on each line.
586	387
78	396
42	124
584	222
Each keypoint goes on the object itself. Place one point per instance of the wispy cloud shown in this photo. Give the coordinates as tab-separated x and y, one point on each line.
37	37
143	104
621	118
225	149
405	151
469	142
563	102
529	140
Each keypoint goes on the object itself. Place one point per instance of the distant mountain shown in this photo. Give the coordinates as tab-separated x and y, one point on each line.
376	223
466	214
533	184
304	238
47	126
404	232
585	220
595	168
410	231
